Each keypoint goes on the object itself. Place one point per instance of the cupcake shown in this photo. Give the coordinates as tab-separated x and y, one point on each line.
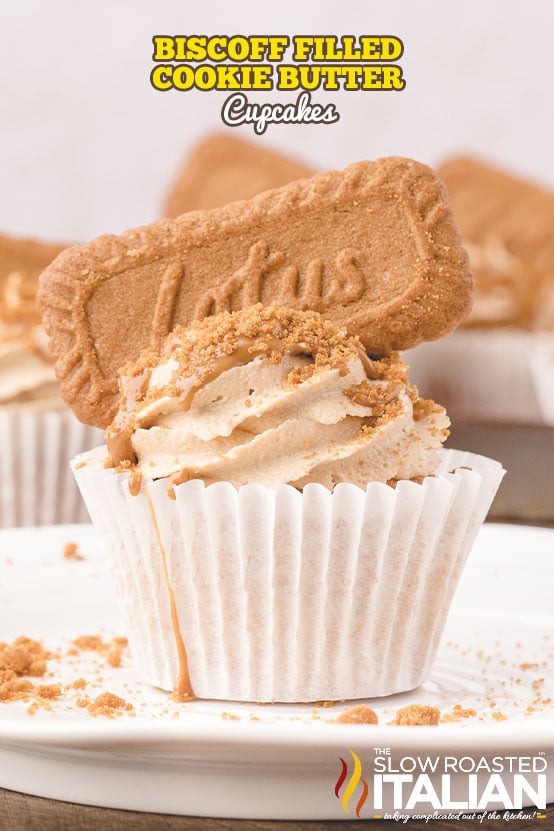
282	521
39	434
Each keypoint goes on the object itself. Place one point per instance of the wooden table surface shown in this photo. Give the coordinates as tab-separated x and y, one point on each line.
19	812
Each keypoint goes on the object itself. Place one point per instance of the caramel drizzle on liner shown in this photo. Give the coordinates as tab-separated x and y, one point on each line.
134	482
183	688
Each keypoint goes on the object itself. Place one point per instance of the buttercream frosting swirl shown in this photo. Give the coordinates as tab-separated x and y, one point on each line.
27	377
273	396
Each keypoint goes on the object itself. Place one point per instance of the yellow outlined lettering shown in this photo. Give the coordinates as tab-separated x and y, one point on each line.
164	48
246	62
160	77
287	77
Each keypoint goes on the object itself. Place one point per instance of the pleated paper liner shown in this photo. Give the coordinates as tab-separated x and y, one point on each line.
37	486
289	596
493	375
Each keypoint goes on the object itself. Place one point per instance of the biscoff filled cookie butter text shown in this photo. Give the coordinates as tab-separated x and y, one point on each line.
266	63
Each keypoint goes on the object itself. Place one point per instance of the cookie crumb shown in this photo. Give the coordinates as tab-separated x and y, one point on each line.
458	713
16	689
108	704
49	691
417	715
115	652
360	714
92	643
23	657
112	650
70	552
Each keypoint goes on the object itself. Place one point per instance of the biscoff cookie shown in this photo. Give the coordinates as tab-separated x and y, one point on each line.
508	228
373	248
223	169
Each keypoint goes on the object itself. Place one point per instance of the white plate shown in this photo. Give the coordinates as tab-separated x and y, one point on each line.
275	761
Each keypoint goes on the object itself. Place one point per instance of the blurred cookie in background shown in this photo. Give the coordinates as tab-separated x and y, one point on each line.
223	169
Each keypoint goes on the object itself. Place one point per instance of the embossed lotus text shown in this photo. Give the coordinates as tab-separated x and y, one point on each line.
317	285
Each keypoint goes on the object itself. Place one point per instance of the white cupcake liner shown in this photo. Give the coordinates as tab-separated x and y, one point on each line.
36	483
289	596
498	375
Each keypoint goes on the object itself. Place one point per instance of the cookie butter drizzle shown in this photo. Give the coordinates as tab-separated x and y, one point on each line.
119	435
183	688
246	352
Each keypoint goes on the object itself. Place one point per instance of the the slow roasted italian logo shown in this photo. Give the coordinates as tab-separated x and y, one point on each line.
351	782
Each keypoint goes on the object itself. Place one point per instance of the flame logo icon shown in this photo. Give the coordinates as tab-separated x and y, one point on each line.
352	784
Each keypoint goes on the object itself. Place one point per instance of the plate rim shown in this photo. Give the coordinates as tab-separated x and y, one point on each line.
280	734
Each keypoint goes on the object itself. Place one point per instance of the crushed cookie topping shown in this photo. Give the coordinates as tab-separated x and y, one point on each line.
423	408
204	350
296	368
273	331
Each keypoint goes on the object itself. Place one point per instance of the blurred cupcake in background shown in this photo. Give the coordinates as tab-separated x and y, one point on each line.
38	434
495	374
499	365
